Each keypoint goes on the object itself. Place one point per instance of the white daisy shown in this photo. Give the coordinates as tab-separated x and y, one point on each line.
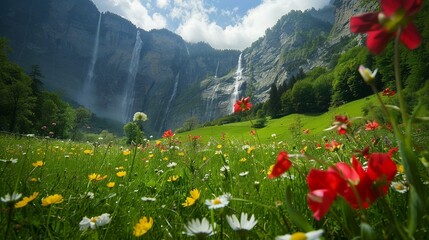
399	187
11	198
243	224
172	164
94	222
243	174
219	202
199	228
313	235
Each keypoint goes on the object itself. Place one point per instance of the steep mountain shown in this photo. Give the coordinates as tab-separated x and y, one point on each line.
104	62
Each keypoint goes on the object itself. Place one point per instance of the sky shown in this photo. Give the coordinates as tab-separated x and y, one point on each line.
224	24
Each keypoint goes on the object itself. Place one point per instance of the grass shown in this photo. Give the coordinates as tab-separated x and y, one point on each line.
160	175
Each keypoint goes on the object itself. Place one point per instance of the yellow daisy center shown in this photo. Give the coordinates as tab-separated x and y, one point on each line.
298	236
217	201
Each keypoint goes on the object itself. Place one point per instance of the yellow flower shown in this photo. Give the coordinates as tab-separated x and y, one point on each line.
270	170
38	164
173	178
150	155
204	158
165	158
242	159
53	199
142	226
26	200
121	173
126	152
181	154
111	184
195	194
96	177
250	150
219	146
34	180
88	152
400	168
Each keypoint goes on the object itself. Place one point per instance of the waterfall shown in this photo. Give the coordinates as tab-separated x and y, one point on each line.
209	105
187	50
237	84
128	98
173	95
88	86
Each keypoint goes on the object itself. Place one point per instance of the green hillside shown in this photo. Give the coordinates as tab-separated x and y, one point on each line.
280	127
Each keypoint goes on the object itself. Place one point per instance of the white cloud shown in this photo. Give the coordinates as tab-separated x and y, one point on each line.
198	27
162	3
134	11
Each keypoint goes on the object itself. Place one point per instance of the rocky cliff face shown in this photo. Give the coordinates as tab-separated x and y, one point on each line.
170	80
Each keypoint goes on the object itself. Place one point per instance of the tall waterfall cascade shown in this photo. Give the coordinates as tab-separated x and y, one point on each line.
128	97
172	96
87	92
239	79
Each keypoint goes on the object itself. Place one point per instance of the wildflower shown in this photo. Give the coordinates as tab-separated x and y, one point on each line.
195	195
121	173
12	160
253	132
313	235
388	92
282	165
110	184
172	178
11	198
34	180
88	152
367	75
96	177
242	105
345	180
142	226
171	165
250	150
371	125
148	199
26	200
126	152
333	146
244	223
200	229
242	160
52	199
399	187
393	19
140	116
38	164
243	174
224	168
341	123
168	134
94	222
219	202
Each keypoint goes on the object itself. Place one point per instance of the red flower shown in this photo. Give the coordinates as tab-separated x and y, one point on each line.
283	164
371	125
341	123
253	132
333	146
168	134
388	92
242	105
395	16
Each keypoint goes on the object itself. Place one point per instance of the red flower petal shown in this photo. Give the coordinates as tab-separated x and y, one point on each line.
346	172
319	202
283	164
364	23
319	179
411	37
377	40
389	7
380	165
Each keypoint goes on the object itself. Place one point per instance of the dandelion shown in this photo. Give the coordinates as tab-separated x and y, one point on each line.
96	177
173	178
219	202
244	224
88	152
143	226
199	229
110	184
11	198
38	164
94	222
140	116
126	152
52	199
313	235
121	173
195	195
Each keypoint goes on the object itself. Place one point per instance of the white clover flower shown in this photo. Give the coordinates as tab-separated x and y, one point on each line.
243	224
219	202
11	198
172	164
199	229
94	222
148	199
313	235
